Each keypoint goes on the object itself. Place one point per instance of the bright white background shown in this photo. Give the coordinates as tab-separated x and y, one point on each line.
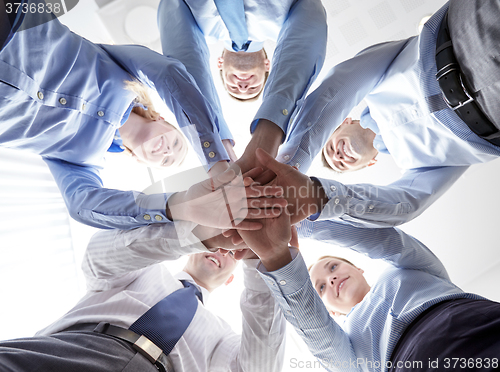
40	256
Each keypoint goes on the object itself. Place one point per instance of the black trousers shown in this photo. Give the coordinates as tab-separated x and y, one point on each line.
457	335
475	33
72	352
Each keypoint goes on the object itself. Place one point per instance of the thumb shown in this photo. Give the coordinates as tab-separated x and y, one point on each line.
269	162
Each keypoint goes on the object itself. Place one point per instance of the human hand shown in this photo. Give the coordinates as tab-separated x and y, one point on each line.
267	136
224	202
213	239
304	196
271	242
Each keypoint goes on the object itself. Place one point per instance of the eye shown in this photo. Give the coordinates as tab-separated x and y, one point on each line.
333	267
176	142
231	253
321	288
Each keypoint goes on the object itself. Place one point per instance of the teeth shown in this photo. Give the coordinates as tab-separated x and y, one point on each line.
214	260
157	148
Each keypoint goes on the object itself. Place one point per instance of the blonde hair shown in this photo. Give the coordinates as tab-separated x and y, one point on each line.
143	98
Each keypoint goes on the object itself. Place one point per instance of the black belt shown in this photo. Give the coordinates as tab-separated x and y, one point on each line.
455	92
140	343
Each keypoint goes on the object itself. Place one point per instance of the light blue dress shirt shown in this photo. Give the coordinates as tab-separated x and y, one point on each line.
364	342
63	97
406	110
298	27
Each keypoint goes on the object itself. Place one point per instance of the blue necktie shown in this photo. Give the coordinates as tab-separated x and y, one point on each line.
165	323
232	13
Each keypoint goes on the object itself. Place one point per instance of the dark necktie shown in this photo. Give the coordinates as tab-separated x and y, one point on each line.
165	323
232	13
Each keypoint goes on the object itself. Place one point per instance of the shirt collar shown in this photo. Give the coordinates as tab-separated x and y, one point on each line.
182	275
254	46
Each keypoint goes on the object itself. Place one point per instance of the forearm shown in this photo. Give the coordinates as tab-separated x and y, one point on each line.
113	253
381	206
267	136
304	309
389	244
263	328
325	109
89	203
297	60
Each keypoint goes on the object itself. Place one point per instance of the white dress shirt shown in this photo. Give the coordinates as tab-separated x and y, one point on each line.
125	278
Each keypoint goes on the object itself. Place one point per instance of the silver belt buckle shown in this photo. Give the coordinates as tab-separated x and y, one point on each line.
446	70
147	348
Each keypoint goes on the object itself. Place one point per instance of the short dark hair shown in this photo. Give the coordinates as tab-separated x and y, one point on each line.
253	99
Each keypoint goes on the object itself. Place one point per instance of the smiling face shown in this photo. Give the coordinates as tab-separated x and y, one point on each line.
243	73
339	284
350	147
211	270
153	142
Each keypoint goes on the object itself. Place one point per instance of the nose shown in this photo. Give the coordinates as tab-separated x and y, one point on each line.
332	280
243	86
168	151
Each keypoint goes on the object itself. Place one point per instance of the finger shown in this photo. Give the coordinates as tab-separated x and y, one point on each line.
254	191
229	233
267	203
269	162
223	178
266	177
247	225
264	213
294	241
252	173
240	253
237	239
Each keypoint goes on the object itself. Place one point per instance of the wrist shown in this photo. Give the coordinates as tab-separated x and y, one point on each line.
173	201
320	197
267	136
276	259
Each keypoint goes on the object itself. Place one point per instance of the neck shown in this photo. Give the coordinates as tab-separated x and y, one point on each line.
131	128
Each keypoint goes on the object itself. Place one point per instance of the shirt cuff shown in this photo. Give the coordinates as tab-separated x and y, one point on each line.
251	276
338	203
276	109
290	278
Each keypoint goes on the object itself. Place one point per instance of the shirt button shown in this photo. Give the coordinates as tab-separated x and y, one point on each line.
40	95
297	165
309	124
415	112
116	137
147	217
158	217
285	112
336	200
100	113
62	101
83	106
206	144
282	282
333	188
211	154
286	157
371	206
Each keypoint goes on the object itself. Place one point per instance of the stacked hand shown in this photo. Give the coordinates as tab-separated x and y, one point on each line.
225	201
